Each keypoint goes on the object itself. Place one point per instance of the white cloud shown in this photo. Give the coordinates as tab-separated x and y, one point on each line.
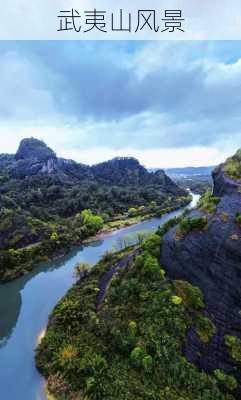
59	139
154	111
219	73
158	158
23	93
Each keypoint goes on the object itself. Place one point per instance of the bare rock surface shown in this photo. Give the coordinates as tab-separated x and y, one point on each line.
211	260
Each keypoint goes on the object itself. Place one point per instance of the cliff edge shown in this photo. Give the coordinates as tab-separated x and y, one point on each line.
205	250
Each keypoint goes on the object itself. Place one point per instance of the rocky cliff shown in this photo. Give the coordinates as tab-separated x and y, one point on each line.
210	258
34	157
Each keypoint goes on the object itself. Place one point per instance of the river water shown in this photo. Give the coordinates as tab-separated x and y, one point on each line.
26	303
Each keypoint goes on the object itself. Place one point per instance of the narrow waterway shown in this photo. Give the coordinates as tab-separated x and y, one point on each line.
26	303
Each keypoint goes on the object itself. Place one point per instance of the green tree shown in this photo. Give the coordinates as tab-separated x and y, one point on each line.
132	211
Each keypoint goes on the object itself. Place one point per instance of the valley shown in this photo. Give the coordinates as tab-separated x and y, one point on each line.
26	303
49	204
164	313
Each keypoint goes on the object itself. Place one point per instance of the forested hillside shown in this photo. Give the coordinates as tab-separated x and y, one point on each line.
49	203
160	321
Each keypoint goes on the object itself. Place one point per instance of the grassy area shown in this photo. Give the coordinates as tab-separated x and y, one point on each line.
208	203
232	166
128	220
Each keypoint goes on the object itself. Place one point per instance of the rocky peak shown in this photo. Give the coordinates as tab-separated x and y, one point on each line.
130	163
120	170
34	149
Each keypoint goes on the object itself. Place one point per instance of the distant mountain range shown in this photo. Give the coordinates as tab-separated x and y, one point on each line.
42	196
187	171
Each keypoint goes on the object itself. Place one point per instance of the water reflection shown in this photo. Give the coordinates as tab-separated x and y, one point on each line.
10	293
10	296
26	303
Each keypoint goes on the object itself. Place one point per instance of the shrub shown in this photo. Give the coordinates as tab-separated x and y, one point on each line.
137	356
54	237
176	300
227	380
132	326
190	224
208	203
234	344
152	245
238	219
68	353
93	223
205	328
191	295
232	166
162	230
90	384
147	363
149	265
82	269
132	211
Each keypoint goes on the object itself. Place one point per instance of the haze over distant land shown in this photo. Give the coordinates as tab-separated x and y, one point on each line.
186	171
94	101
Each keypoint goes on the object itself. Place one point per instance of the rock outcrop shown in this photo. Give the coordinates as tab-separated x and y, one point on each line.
211	259
35	157
34	149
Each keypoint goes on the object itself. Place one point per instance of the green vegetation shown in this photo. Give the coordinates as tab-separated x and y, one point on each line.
135	216
226	380
130	346
54	239
188	225
82	269
208	203
238	219
132	211
232	166
191	295
234	345
176	300
204	328
163	229
49	204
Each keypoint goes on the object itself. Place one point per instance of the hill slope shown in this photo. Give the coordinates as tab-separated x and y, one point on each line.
132	329
119	334
43	200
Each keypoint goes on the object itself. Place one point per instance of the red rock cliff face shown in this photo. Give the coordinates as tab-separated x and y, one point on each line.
211	259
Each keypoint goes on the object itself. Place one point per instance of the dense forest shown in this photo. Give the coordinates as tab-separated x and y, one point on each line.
160	320
47	203
127	342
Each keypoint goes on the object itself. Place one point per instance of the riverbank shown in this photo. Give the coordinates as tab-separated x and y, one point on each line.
22	261
118	224
27	302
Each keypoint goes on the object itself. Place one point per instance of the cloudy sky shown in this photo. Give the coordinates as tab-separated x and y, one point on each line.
166	103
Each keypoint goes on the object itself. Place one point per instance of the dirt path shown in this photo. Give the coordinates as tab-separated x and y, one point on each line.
107	276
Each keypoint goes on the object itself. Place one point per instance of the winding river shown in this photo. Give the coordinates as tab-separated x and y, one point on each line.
26	303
